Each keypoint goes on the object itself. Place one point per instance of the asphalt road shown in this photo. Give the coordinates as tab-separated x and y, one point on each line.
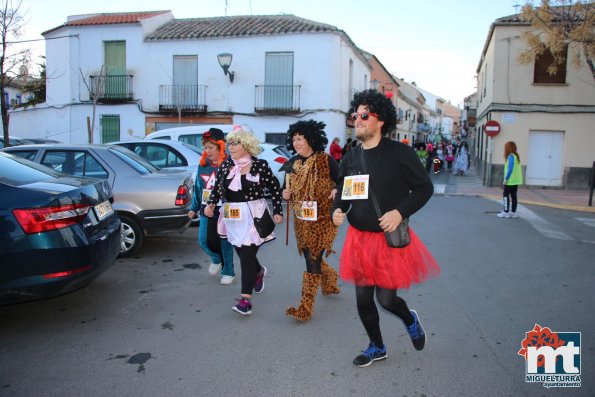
159	325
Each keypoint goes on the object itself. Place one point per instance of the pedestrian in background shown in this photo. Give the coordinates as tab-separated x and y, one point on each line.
422	153
347	147
449	155
440	157
241	183
311	186
218	249
336	150
462	159
513	177
430	158
399	182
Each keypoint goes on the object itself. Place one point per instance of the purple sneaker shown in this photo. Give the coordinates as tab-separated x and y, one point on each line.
244	307
259	284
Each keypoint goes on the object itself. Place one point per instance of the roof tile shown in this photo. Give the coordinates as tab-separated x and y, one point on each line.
115	18
236	26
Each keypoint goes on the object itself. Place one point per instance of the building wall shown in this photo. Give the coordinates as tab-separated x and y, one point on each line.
505	83
324	83
515	81
577	153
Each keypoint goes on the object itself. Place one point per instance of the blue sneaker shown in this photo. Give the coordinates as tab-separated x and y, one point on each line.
416	332
244	307
371	354
259	284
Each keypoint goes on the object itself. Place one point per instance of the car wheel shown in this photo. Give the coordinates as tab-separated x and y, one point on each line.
132	236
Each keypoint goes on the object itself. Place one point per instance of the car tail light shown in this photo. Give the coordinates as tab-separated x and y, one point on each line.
183	195
67	272
281	160
36	220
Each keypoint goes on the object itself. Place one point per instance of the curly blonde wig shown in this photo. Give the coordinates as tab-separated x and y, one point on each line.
244	136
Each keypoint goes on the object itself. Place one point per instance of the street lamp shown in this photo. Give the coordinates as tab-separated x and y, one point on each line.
225	59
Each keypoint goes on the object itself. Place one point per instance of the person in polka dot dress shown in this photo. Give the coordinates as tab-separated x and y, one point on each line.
242	182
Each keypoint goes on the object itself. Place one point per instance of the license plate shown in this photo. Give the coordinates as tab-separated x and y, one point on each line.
103	209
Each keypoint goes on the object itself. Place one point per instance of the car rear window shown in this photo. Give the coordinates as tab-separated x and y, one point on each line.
191	139
193	148
134	160
74	162
282	150
17	171
25	154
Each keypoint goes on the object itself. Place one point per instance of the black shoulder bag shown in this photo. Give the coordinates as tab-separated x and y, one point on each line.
264	225
399	237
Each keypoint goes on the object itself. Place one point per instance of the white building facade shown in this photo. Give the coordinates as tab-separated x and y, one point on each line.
150	71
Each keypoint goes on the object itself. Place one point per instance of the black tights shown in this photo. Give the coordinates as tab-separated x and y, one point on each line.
313	266
368	312
250	266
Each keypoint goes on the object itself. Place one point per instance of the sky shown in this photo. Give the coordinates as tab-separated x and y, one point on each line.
435	43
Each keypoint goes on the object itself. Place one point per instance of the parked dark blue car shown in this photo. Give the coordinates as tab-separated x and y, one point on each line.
57	232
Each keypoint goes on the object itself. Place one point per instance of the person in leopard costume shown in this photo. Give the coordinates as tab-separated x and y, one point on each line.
311	177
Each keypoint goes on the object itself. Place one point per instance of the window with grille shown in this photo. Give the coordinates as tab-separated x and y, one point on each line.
541	74
277	138
110	128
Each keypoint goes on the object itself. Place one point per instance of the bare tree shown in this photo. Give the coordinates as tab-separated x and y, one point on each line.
560	26
36	86
11	23
96	90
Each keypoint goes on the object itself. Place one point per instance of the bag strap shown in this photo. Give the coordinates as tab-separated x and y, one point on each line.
374	201
247	202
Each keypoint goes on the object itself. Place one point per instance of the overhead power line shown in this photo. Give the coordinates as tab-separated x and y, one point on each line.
32	40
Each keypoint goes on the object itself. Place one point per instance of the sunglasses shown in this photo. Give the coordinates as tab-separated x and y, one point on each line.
233	143
364	116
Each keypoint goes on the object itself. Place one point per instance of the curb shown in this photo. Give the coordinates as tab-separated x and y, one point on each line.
568	207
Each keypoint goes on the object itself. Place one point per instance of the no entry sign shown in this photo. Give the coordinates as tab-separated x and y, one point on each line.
492	128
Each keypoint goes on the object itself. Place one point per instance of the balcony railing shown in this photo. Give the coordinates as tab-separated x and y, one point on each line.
186	98
111	88
423	127
277	98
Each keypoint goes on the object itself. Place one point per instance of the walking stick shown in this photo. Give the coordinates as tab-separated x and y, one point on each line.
287	202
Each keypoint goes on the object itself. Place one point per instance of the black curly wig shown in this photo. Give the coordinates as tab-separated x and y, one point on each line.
379	104
312	130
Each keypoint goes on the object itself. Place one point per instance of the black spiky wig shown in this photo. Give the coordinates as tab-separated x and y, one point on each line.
312	130
379	104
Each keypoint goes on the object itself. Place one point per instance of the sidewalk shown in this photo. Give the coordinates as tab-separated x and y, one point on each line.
470	185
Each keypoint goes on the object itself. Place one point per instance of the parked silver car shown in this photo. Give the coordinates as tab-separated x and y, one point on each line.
149	201
165	154
180	155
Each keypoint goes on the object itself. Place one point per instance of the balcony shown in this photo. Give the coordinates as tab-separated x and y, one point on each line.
423	127
111	88
279	99
184	98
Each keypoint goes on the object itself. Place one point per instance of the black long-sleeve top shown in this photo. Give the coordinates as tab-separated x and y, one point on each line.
397	178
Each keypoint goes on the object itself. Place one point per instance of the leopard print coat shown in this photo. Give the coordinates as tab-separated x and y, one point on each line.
311	181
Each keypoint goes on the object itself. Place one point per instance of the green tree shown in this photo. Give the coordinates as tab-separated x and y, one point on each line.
562	27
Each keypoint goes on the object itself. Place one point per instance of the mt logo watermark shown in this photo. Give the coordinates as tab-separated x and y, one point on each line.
552	358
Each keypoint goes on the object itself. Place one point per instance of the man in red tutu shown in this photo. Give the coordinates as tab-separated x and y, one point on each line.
401	185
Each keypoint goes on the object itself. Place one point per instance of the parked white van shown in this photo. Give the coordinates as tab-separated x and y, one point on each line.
191	135
275	155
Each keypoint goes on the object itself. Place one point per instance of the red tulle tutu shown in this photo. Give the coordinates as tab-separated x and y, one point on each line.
366	260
